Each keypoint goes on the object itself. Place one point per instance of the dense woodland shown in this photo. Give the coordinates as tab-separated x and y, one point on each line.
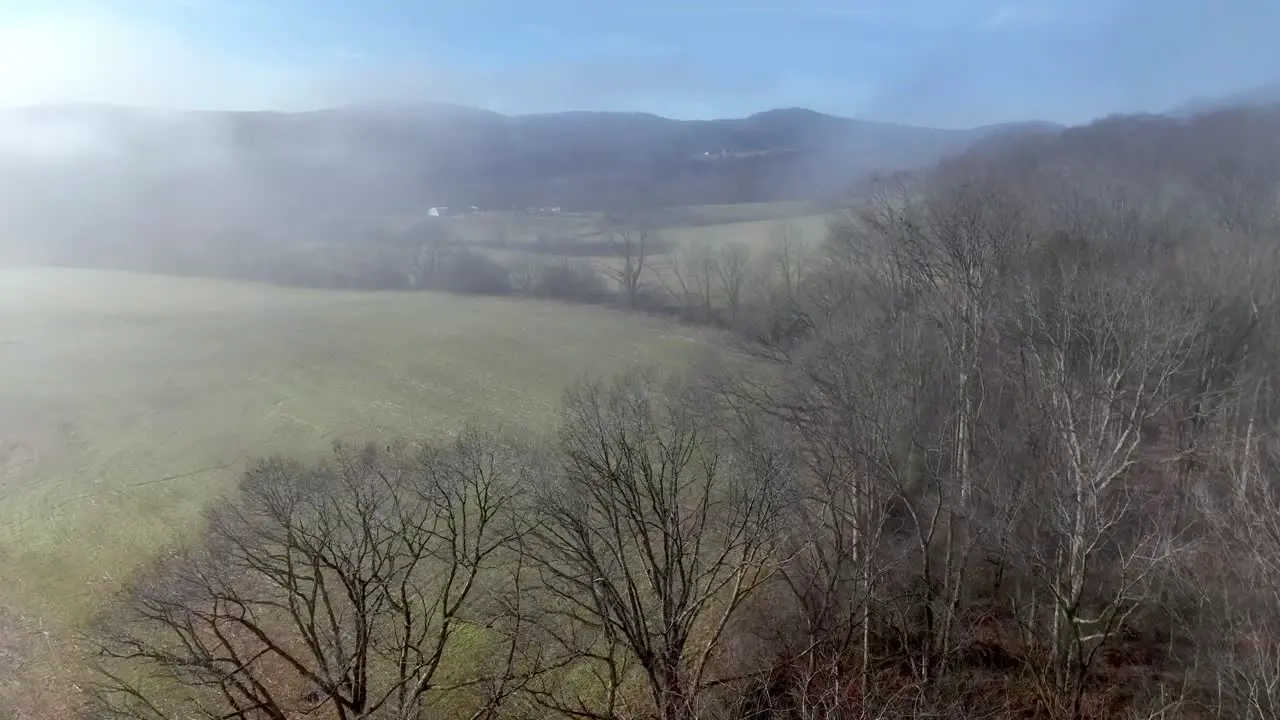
1008	449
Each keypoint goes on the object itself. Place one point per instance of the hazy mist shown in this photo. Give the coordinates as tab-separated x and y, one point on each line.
969	310
101	144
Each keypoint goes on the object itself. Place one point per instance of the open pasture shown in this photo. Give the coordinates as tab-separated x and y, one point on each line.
129	403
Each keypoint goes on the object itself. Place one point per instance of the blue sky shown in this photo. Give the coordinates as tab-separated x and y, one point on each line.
936	62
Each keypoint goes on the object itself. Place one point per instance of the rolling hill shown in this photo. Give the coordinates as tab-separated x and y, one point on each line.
72	176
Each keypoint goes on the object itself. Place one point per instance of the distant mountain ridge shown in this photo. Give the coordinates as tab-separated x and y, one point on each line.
107	174
441	154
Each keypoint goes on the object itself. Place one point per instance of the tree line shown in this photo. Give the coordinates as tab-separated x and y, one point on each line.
629	264
1008	449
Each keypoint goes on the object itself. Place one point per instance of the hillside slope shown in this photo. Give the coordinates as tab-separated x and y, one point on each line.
72	175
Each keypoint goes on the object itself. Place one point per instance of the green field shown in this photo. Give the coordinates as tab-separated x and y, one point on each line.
748	222
129	402
759	235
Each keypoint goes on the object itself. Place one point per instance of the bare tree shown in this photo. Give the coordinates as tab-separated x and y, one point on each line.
1102	346
788	259
1235	575
689	277
525	271
428	254
934	270
334	590
654	533
731	270
633	249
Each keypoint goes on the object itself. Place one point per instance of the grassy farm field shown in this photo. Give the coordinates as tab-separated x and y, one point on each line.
759	235
514	228
129	402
